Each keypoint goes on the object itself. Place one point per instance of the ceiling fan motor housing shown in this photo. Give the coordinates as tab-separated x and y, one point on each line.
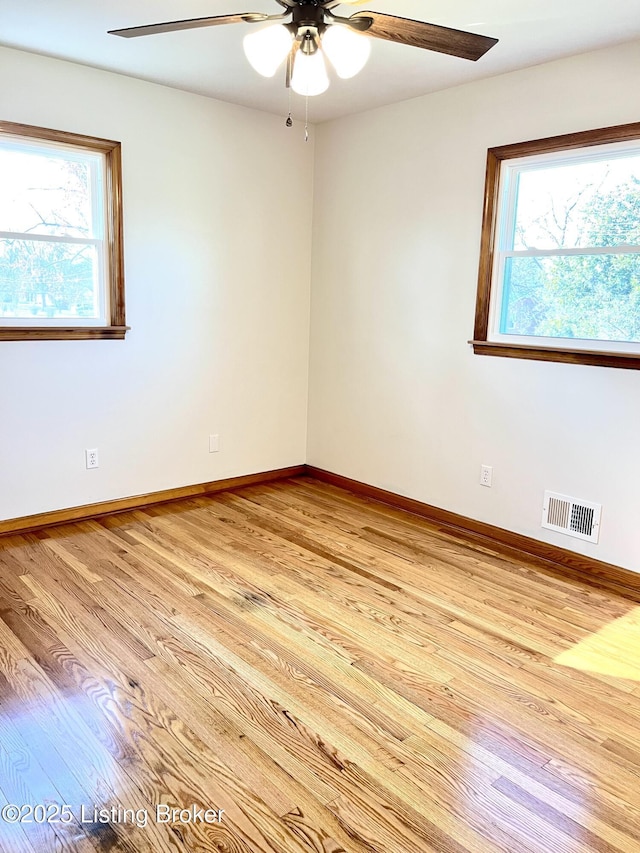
307	25
307	16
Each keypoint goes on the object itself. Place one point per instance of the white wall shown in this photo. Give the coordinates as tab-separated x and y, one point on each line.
397	398
217	208
218	203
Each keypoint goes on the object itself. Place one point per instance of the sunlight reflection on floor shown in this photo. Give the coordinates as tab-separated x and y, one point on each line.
614	650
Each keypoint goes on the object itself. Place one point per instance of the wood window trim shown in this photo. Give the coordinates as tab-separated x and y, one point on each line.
495	157
116	327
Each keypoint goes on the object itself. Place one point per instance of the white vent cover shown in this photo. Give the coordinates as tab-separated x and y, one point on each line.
571	516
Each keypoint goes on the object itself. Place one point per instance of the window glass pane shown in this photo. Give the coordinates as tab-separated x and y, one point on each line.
579	204
49	192
49	280
595	297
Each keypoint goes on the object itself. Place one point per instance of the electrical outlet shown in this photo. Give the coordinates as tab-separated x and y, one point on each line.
91	458
214	443
486	475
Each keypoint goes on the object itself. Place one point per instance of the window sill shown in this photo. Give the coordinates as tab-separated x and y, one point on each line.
598	358
63	333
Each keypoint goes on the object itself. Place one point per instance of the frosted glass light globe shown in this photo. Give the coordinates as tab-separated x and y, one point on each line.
309	74
267	49
347	51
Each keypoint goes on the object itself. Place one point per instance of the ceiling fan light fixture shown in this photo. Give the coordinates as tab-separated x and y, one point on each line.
314	31
309	74
347	51
267	49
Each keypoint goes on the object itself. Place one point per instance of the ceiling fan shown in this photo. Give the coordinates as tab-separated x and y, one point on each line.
314	31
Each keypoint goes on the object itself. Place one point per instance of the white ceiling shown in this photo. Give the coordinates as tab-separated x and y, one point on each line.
211	61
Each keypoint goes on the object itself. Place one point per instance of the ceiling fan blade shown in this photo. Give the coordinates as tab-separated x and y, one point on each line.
190	24
427	36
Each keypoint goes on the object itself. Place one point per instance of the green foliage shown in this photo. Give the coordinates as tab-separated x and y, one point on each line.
594	296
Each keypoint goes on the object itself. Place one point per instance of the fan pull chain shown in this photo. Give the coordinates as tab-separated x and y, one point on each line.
289	121
306	118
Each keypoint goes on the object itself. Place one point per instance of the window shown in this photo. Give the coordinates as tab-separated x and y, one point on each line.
61	262
559	275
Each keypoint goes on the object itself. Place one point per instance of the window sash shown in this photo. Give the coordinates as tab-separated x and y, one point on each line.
497	297
50	238
100	289
507	209
621	249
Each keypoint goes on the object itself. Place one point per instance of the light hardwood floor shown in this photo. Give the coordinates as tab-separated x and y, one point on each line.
334	674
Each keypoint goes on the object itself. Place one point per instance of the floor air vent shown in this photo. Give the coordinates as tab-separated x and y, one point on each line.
568	515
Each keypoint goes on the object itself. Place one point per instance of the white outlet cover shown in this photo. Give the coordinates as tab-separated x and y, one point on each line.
214	443
486	475
91	458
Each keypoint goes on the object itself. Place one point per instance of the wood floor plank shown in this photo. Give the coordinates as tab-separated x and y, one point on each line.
559	795
73	755
455	601
12	835
152	737
337	675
